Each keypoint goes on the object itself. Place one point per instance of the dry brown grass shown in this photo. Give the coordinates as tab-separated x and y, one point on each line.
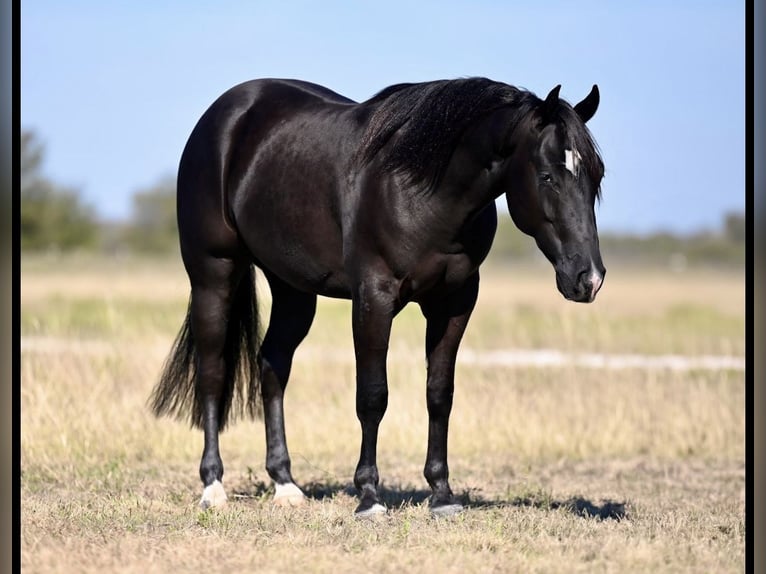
562	469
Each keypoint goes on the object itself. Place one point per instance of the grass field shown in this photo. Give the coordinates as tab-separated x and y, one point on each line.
562	468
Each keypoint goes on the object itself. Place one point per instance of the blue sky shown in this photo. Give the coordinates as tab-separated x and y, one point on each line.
113	89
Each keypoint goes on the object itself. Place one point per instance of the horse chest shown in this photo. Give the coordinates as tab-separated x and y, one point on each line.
442	272
448	266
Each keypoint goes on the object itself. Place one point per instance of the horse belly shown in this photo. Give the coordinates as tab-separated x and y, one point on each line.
307	272
300	246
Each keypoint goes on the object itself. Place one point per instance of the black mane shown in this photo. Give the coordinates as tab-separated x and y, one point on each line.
430	118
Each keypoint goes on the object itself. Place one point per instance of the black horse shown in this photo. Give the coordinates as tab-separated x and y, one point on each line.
383	202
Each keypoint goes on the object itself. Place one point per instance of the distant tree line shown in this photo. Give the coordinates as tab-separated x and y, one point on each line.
52	216
55	218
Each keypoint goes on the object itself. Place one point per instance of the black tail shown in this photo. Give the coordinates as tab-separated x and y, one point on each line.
176	393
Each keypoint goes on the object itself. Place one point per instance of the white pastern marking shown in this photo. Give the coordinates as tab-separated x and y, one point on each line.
288	494
572	160
214	496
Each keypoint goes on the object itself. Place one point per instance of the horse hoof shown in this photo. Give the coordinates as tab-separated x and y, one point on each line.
213	496
373	511
446	510
288	495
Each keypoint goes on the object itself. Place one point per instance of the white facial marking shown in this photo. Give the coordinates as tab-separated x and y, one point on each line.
213	496
572	160
288	494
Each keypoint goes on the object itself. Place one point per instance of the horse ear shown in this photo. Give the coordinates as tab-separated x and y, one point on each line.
551	104
586	108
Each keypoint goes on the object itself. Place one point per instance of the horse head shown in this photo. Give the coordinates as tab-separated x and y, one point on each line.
560	171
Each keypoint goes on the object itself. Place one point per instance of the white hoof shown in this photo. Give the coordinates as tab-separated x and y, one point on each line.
447	510
288	495
213	496
373	512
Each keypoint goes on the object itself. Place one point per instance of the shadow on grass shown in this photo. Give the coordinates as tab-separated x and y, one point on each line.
576	505
399	496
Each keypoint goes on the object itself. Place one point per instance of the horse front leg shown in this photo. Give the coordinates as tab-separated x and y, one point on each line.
447	318
372	314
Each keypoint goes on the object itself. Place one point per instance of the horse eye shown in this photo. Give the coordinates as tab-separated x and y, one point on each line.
545	177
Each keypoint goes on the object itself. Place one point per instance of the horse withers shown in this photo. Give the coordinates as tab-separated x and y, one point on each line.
384	202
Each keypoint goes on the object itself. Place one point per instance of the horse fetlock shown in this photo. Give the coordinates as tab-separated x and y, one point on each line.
278	468
436	473
211	471
366	479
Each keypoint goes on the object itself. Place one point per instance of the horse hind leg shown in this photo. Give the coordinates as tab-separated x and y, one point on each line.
224	325
292	313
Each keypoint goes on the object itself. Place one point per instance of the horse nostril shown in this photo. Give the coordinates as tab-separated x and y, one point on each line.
582	278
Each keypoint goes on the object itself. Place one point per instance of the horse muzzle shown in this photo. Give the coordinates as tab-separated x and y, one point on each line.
581	286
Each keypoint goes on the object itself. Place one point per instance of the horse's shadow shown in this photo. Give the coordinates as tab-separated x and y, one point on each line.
398	497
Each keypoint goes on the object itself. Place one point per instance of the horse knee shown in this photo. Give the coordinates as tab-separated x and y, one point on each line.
439	400
372	402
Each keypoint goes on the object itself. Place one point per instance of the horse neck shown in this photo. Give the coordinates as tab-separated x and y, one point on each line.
477	173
